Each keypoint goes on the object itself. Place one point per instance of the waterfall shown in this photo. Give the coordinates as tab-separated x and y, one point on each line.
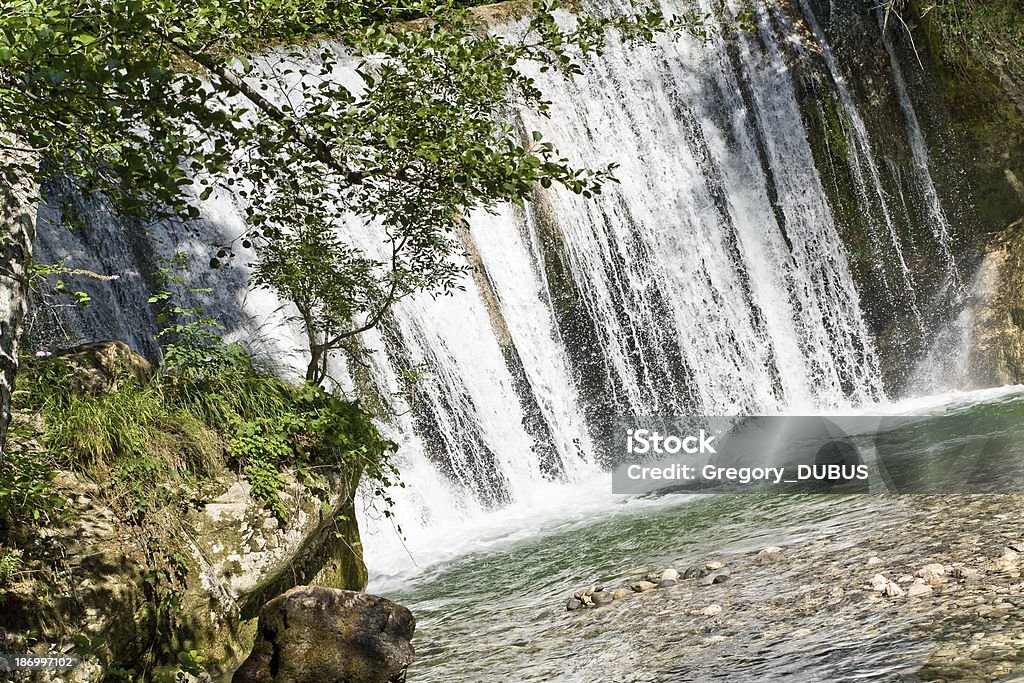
939	225
712	280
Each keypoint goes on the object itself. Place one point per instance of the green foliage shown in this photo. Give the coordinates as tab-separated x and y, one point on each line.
145	101
974	35
10	564
27	491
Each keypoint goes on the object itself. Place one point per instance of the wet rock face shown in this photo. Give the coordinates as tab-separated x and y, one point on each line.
313	634
997	325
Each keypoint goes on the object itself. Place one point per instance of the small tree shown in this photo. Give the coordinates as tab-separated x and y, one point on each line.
145	103
426	136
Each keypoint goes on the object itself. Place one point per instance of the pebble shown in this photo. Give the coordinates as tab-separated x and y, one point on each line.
771	555
602	598
711	610
573	604
919	590
893	590
692	573
715	577
643	586
713	566
933	574
620	593
874	561
669	574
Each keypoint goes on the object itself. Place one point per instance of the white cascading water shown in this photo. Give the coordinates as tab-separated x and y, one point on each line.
712	281
701	302
862	157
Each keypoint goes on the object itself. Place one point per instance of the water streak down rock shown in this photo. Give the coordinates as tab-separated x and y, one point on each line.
313	634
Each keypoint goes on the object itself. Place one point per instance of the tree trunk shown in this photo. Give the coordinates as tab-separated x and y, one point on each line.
18	199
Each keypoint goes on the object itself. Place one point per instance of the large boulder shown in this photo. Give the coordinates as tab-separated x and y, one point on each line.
99	367
313	634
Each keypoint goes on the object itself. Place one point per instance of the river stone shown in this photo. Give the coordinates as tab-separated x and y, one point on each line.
874	561
669	574
713	566
933	574
643	586
620	593
602	598
573	604
715	577
314	634
665	583
771	555
964	572
893	590
918	590
692	573
879	582
712	610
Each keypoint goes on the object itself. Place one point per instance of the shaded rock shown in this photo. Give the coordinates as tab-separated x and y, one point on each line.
665	583
643	586
313	634
573	604
771	555
715	577
602	598
692	573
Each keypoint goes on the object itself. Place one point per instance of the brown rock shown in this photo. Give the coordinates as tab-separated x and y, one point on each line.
99	367
313	634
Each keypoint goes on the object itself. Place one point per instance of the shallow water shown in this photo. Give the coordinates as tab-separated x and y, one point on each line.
497	611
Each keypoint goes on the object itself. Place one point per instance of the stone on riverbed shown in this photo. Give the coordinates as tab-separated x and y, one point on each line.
933	574
620	593
669	574
720	576
918	590
885	586
643	586
712	610
573	604
313	633
771	555
602	598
